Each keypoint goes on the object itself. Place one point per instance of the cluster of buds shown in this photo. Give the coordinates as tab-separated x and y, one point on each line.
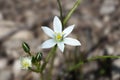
31	60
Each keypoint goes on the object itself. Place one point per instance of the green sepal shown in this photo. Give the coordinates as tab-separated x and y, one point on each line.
26	47
38	56
33	60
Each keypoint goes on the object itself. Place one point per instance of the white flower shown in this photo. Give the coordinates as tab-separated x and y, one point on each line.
58	36
25	62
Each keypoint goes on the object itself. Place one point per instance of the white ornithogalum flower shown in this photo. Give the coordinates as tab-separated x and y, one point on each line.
58	36
25	62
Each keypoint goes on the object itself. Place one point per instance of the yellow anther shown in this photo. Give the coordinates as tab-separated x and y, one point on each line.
58	37
25	64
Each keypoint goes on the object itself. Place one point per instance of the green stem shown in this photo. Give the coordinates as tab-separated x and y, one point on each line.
75	66
41	76
91	59
71	12
34	70
51	68
50	54
61	13
102	57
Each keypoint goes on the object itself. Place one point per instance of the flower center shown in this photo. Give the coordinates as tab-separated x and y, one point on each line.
25	64
58	37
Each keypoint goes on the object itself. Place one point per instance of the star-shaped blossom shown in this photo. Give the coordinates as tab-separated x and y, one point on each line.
58	36
25	62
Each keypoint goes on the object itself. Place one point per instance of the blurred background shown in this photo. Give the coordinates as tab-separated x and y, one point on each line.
97	27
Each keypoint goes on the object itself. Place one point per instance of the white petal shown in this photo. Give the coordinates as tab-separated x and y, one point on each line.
48	31
68	30
61	46
57	25
48	43
71	41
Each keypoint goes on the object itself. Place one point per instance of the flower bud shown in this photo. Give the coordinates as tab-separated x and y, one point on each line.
26	47
38	56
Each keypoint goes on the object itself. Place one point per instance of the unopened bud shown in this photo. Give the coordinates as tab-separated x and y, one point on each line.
26	47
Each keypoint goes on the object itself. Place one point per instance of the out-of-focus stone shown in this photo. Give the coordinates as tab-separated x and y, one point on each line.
35	76
115	70
117	63
74	20
1	16
110	49
3	63
107	7
70	5
14	52
3	31
57	61
30	17
36	1
119	42
16	68
6	27
5	23
92	67
115	75
106	19
5	75
98	24
23	35
55	12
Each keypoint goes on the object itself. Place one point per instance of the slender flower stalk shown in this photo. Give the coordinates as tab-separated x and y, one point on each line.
58	36
91	59
61	13
71	11
50	54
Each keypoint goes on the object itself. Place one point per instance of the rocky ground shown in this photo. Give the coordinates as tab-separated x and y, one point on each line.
97	27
